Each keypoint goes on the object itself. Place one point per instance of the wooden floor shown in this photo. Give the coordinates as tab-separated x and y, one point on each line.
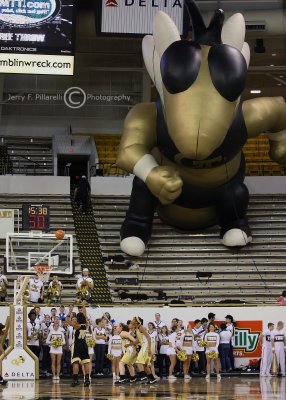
228	388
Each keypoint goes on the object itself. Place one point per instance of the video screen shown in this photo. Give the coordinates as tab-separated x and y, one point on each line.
37	26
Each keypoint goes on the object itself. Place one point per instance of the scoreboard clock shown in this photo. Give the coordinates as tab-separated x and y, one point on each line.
35	217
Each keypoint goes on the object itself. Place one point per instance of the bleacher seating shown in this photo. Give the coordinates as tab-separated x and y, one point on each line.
30	155
107	148
253	274
257	158
61	217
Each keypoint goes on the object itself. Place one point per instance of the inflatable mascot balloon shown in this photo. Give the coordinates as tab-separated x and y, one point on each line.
185	149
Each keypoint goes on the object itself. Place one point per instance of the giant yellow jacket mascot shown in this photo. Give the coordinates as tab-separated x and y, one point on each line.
185	149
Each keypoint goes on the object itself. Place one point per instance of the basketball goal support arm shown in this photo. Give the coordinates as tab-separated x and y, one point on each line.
22	290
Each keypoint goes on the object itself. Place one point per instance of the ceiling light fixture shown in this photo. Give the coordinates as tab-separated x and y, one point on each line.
255	91
274	55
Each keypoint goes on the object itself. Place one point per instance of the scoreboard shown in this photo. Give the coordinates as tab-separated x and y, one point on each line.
35	217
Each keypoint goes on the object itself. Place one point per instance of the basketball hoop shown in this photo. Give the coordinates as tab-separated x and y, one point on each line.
43	270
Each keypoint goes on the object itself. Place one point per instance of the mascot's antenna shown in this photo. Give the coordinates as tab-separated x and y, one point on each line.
210	35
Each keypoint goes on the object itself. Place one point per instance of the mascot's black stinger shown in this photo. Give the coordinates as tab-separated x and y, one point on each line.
185	150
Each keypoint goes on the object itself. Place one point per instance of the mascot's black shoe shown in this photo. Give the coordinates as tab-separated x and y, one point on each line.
75	383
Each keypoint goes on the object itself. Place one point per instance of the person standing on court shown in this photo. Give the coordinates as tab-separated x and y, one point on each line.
267	354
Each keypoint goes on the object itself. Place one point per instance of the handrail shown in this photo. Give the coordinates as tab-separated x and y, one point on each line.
101	166
28	159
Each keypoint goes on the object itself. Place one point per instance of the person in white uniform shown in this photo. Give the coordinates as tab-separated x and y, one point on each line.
212	339
279	346
174	347
56	351
267	354
187	345
115	350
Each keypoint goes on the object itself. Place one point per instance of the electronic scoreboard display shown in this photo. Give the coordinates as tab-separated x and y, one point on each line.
35	217
37	26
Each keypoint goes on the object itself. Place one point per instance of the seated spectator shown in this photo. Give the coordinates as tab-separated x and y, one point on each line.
36	287
3	286
282	299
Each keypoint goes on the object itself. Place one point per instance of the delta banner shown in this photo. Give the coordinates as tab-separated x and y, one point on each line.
246	338
136	16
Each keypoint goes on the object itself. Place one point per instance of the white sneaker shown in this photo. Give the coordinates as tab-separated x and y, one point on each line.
172	378
114	377
187	377
207	377
117	377
218	377
54	378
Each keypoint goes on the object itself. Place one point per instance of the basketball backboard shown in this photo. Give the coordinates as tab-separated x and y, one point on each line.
24	251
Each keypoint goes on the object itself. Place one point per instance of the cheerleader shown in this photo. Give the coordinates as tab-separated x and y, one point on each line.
174	347
45	329
154	344
89	335
212	339
56	351
79	348
115	351
128	343
144	356
163	358
187	345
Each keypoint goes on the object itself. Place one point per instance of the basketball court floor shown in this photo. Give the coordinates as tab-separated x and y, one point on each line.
229	388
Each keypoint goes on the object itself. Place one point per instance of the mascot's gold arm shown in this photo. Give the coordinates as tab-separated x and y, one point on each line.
138	141
268	115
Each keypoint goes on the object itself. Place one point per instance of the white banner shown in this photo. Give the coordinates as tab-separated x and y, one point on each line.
6	222
136	16
14	63
18	365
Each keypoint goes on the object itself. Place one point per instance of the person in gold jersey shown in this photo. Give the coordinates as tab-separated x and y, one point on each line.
145	353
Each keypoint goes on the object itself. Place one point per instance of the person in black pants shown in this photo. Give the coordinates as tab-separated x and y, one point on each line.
230	327
100	336
2	330
224	348
82	193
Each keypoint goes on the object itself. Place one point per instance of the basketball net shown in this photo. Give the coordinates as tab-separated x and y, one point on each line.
44	271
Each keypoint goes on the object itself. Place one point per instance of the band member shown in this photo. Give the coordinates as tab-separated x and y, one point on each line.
45	329
3	286
224	348
100	337
174	346
158	323
198	333
84	286
115	350
163	358
279	346
187	345
33	333
212	339
2	330
36	288
79	348
267	355
56	349
129	357
54	290
144	356
90	335
230	327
